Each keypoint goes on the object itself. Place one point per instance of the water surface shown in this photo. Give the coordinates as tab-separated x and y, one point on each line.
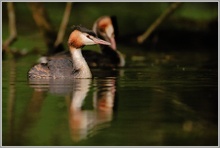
157	99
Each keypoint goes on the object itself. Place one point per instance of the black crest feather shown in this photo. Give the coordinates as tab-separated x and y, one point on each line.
83	29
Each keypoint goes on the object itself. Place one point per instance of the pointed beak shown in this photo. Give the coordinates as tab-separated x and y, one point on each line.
99	41
109	30
113	43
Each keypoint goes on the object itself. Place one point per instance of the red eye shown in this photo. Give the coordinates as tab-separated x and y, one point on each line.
88	36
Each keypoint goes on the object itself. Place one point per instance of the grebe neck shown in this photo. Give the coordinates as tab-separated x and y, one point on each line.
80	66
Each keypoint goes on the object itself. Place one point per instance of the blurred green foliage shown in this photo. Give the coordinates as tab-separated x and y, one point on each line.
133	17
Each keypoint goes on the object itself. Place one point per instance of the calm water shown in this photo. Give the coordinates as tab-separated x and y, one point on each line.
157	99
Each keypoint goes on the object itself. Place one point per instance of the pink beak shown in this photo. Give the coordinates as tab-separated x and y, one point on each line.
99	41
113	43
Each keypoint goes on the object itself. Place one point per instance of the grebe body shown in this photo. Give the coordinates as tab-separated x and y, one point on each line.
72	66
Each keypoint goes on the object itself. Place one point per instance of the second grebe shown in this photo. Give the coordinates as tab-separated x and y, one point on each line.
106	28
66	67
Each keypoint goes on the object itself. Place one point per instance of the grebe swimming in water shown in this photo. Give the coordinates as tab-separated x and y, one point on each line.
74	67
106	28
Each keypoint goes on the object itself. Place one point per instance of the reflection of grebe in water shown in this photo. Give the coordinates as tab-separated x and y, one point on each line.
84	123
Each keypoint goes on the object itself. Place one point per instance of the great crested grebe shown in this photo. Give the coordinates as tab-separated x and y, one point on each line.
106	28
74	67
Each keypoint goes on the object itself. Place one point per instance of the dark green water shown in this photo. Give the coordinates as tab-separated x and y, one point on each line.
158	99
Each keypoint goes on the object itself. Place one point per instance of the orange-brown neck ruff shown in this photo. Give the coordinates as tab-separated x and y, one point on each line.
75	40
103	23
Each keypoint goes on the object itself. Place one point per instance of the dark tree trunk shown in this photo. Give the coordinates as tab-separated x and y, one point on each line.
12	27
169	11
63	25
43	22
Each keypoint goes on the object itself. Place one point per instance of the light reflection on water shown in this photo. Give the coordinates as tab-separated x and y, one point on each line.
150	102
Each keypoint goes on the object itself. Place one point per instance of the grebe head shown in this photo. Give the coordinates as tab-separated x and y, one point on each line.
81	36
104	29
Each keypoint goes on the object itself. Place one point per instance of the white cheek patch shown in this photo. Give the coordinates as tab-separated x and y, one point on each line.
109	31
86	40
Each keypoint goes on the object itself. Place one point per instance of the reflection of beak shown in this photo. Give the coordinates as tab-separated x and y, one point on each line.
99	41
